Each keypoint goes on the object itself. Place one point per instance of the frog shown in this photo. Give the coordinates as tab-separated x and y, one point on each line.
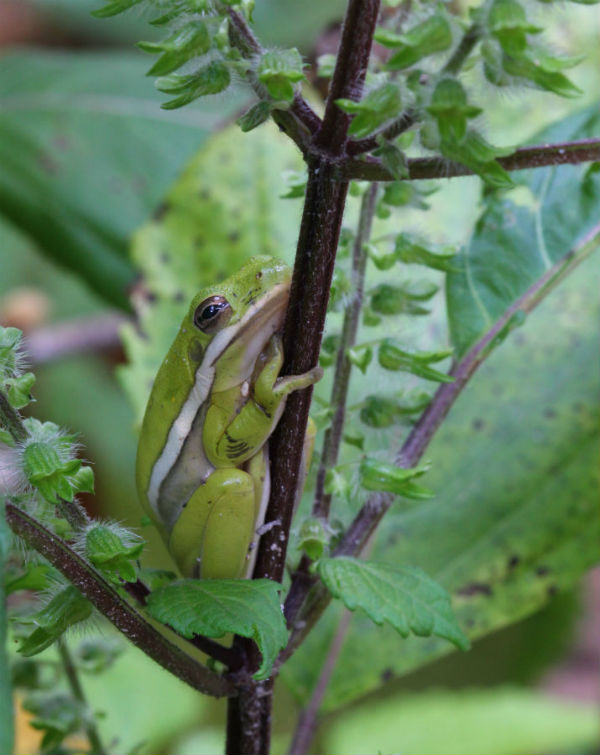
202	467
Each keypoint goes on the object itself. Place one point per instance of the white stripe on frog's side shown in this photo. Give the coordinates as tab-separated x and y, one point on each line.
272	307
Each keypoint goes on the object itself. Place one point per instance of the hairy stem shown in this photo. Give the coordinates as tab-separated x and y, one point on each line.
370	515
97	748
112	605
11	420
305	319
538	156
464	49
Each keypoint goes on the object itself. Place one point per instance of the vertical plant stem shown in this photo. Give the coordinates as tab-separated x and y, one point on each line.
343	367
305	320
307	722
91	731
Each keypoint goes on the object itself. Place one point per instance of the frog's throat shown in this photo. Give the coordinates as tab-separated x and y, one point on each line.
263	318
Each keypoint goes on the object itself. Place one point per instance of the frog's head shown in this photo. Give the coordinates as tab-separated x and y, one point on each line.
228	325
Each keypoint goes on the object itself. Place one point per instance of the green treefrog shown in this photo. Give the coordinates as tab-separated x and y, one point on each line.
202	464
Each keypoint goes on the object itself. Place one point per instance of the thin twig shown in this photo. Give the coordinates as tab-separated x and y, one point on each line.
307	722
112	605
349	73
341	379
97	748
421	168
368	518
470	38
77	336
399	126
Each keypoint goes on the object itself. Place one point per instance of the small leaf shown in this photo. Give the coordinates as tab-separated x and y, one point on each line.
409	252
378	107
35	578
430	36
393	357
212	79
313	537
83	480
252	118
382	259
382	476
19	389
46	468
550	80
65	609
213	607
337	484
279	70
383	411
360	357
395	300
10	340
404	597
190	41
114	7
325	65
451	110
108	553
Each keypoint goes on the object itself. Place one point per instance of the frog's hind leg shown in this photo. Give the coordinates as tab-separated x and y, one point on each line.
212	536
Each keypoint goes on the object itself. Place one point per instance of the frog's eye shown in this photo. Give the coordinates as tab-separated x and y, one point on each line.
212	314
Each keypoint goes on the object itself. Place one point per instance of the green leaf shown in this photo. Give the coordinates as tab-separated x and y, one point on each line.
36	577
10	341
379	106
252	118
431	36
313	538
211	79
46	468
469	721
108	552
6	704
83	480
550	80
67	608
382	476
19	390
404	597
411	253
86	129
279	70
394	159
394	300
360	357
214	607
393	357
114	7
190	41
515	517
479	155
451	110
532	239
383	411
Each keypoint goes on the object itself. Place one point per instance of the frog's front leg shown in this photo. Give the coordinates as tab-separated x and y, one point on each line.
233	435
216	527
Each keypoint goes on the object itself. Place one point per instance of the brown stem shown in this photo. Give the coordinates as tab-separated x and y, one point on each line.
370	515
116	609
97	748
537	156
249	720
95	333
349	73
307	722
341	379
